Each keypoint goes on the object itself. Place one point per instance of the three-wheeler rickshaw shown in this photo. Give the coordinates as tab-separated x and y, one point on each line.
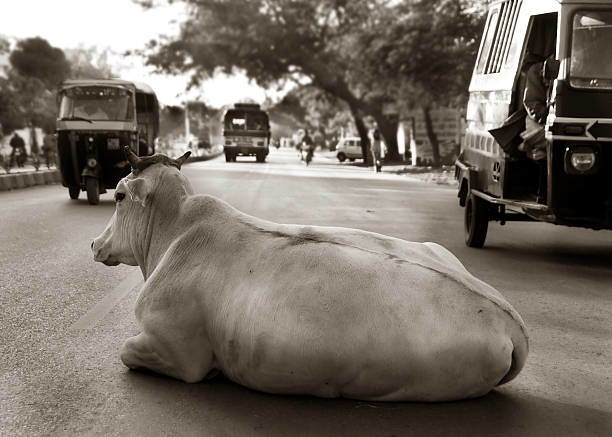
96	119
572	185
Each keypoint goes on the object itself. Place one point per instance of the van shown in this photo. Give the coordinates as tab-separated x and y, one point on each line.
572	185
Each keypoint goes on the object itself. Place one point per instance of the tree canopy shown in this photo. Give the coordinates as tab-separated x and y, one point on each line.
366	53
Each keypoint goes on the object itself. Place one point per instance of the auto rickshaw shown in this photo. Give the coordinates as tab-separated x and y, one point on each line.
572	186
96	119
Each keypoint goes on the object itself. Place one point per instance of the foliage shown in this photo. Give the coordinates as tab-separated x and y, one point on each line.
89	63
273	41
35	58
366	53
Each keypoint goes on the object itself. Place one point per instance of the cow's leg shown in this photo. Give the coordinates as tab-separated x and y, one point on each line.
190	363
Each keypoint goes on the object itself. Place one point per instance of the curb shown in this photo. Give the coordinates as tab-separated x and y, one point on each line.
14	181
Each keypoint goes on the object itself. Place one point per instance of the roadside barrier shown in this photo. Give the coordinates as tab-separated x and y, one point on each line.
14	181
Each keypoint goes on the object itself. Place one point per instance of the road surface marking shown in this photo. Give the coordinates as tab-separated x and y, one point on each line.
102	308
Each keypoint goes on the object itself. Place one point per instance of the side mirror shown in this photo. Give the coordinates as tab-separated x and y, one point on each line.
551	69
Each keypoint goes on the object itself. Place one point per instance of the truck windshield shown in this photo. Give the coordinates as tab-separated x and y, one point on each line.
246	120
591	58
96	103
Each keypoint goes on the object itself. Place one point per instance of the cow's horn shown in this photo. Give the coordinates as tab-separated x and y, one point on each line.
132	158
181	159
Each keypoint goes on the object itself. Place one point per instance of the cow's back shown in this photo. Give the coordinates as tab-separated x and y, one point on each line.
335	312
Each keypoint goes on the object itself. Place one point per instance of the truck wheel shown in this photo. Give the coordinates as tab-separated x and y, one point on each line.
228	157
476	221
341	157
74	192
260	157
92	186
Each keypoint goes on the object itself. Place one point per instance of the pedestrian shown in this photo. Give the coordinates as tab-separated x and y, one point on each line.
49	148
376	148
19	150
34	149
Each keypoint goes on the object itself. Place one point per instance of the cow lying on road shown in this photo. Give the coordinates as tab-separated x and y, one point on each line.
301	309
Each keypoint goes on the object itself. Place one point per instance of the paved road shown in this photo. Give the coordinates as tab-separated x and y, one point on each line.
64	317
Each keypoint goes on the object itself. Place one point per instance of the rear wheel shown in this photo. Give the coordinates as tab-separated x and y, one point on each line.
74	192
92	186
260	157
476	221
341	157
228	157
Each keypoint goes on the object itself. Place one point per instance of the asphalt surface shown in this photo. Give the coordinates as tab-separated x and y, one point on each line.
64	317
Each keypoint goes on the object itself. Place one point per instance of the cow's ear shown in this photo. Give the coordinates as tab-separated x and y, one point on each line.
139	190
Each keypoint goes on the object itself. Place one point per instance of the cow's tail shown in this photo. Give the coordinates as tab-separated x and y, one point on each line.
520	343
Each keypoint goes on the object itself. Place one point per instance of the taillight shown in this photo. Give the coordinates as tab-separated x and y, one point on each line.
581	160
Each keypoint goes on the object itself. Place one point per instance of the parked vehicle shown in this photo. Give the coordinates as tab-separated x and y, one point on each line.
246	129
349	148
499	182
96	119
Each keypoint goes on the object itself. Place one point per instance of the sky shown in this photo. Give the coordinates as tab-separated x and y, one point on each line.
119	25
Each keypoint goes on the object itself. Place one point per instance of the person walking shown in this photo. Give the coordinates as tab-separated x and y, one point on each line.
376	148
49	148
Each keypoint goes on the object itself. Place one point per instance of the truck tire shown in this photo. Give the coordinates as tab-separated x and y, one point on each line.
228	157
341	157
74	192
92	186
260	157
476	221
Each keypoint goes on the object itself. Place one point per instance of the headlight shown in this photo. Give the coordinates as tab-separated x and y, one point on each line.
91	162
581	159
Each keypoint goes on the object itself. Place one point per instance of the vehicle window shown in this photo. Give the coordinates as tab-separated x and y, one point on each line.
257	121
237	123
96	103
141	102
591	57
488	40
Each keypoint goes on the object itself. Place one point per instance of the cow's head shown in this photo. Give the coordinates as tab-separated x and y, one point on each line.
149	195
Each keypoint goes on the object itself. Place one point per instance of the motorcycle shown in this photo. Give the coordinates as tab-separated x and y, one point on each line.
306	154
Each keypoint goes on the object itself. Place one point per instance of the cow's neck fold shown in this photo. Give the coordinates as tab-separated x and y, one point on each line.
160	225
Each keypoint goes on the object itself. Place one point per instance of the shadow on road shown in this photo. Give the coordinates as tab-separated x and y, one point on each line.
220	406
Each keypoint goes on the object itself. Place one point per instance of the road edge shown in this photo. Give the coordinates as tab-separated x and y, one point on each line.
14	181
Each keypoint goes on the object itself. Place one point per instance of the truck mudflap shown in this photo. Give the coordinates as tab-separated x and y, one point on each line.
466	175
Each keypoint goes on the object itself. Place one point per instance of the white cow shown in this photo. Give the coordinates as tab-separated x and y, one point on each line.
301	309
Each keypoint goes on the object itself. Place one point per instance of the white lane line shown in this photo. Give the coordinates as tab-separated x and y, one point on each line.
102	308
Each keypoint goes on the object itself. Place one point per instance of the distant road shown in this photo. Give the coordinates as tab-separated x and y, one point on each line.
64	317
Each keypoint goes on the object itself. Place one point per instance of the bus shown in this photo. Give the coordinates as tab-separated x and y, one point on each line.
571	182
246	132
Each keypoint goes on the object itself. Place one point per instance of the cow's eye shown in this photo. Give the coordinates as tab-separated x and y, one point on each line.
119	197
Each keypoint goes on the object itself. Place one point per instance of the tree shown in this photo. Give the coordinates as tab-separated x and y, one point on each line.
279	40
425	54
26	94
89	63
35	58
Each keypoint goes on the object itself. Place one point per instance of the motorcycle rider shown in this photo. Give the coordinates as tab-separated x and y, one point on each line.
18	146
307	146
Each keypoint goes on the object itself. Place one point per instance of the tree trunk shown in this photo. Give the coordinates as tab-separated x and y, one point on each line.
363	133
388	128
431	135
